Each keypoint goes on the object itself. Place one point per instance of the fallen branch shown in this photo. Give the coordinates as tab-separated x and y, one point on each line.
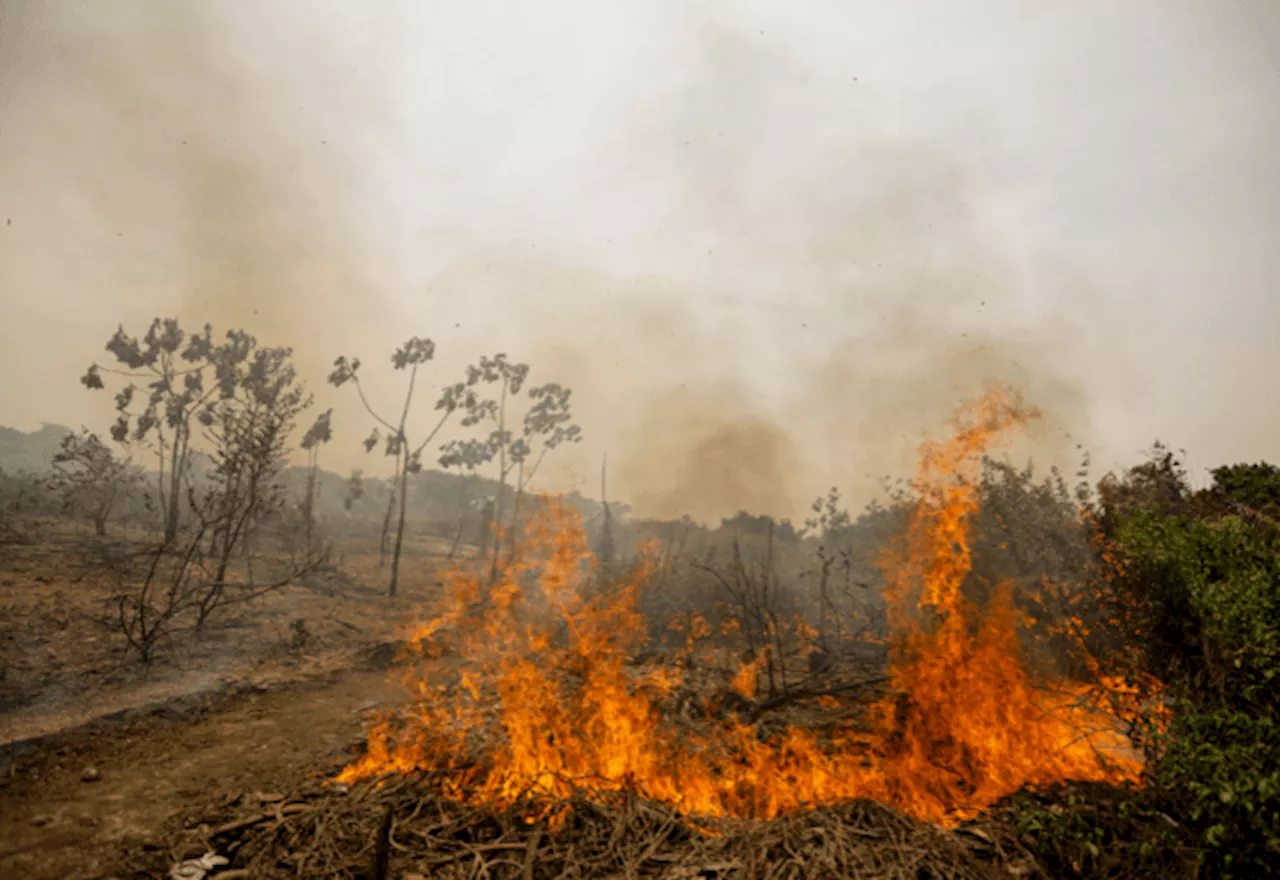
798	695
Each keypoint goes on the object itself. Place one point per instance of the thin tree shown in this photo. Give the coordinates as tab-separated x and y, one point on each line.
246	434
546	424
460	396
384	535
320	432
510	379
606	550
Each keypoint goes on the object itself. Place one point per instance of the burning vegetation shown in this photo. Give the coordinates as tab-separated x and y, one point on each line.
525	691
991	674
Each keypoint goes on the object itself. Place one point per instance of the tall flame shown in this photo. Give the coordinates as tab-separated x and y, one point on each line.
526	693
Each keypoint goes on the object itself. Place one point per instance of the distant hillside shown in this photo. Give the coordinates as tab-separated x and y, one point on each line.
33	452
442	503
433	494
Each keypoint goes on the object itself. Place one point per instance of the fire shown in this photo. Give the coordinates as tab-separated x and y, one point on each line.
526	693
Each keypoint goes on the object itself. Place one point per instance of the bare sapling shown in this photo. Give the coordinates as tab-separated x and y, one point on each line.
828	521
755	593
179	378
545	424
248	436
460	396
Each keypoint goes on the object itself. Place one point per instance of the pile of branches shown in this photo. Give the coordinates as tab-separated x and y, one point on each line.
401	827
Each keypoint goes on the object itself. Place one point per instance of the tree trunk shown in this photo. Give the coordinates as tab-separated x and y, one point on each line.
515	517
163	501
395	557
486	528
824	600
497	530
502	483
175	488
462	516
386	524
309	509
606	550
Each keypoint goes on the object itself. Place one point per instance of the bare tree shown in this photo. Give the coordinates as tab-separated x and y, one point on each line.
183	376
460	396
248	434
91	479
176	592
757	596
148	610
510	378
828	521
545	425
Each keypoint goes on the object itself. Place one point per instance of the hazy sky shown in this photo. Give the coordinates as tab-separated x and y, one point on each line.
768	244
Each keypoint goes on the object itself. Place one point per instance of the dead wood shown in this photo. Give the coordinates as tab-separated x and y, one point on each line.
404	826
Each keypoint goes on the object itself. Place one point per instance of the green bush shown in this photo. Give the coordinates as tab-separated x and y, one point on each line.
1117	832
1211	590
1253	487
1208	590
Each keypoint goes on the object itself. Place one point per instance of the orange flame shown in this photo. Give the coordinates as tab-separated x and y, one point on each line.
546	704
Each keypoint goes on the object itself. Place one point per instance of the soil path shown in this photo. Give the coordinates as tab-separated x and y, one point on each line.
55	824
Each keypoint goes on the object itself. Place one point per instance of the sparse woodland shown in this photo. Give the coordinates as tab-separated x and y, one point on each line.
208	494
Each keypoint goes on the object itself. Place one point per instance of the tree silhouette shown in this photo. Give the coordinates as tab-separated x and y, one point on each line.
546	424
91	478
454	398
180	379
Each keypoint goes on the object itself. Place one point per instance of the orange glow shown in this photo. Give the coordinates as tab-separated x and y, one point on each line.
525	692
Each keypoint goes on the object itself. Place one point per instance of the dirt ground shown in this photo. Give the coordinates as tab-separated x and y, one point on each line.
85	808
98	752
63	660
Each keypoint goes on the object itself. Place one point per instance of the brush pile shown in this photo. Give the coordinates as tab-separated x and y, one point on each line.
400	826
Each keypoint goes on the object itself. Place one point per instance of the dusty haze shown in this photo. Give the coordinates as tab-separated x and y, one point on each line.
767	247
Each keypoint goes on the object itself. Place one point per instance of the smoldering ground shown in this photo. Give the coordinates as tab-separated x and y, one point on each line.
758	282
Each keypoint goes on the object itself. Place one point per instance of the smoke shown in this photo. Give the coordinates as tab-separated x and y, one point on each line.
707	454
852	300
759	277
165	164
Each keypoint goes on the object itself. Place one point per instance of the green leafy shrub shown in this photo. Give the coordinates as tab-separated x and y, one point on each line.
1208	586
1097	830
1193	601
